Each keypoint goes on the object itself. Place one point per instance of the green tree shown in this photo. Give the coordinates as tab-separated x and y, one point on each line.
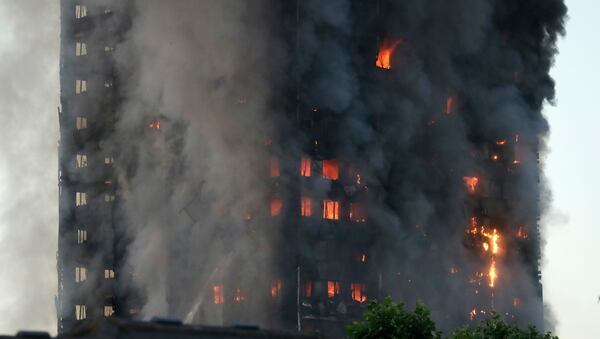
390	320
496	328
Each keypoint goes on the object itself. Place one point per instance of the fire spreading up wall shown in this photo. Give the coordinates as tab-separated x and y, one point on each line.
284	162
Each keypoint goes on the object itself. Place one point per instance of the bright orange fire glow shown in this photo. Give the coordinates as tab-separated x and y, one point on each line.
305	166
275	288
473	314
358	292
449	105
492	274
331	169
218	294
305	206
308	288
276	206
154	124
363	258
386	49
471	183
333	289
331	210
495	157
501	142
274	168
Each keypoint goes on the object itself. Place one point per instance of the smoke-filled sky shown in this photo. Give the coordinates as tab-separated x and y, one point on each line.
28	171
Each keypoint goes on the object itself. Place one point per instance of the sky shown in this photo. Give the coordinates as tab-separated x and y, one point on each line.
29	96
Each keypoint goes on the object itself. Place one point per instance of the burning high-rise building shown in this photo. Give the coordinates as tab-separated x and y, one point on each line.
284	162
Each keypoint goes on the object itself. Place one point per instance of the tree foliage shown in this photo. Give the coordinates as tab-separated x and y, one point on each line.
390	320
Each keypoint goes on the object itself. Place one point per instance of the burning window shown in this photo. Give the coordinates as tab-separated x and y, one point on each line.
81	236
386	49
238	296
109	197
331	210
305	163
218	296
357	212
362	258
305	206
80	11
471	183
81	161
358	292
109	274
276	206
80	49
331	169
81	123
80	86
80	199
275	167
80	312
276	288
308	288
109	310
449	105
80	274
333	289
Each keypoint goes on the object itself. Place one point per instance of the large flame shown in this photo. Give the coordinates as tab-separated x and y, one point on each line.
386	49
471	183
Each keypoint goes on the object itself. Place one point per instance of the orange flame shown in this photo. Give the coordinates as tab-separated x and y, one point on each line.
333	288
154	124
522	233
358	292
275	288
501	142
331	169
449	105
471	183
492	274
386	49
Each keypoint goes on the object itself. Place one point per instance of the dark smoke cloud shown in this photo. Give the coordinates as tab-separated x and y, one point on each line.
220	78
28	164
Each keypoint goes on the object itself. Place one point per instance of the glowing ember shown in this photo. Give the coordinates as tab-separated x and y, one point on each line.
386	49
248	216
363	258
522	233
473	314
471	183
218	294
495	157
275	288
154	124
276	206
449	105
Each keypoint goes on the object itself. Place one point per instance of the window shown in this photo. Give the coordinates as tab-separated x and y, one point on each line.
109	160
276	288
238	296
358	292
357	212
81	236
218	294
108	83
108	49
80	49
80	11
333	289
308	288
274	167
305	166
81	123
331	169
109	310
80	86
81	161
276	206
109	197
331	210
80	312
109	274
305	206
80	274
80	199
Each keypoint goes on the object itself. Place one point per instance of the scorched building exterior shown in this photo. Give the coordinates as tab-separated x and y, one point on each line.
330	154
